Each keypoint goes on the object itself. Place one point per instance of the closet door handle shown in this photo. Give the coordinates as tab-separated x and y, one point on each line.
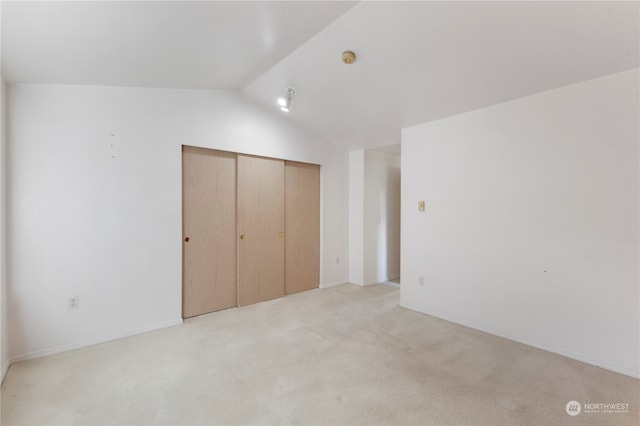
242	237
186	239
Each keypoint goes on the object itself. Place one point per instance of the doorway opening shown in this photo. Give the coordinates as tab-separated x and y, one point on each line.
382	196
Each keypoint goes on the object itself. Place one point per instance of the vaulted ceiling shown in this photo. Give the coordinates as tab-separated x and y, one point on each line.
416	61
174	44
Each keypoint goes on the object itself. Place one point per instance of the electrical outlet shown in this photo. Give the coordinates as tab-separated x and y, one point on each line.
421	280
74	302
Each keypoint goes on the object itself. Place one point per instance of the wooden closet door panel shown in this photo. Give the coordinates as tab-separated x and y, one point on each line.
209	230
260	229
302	218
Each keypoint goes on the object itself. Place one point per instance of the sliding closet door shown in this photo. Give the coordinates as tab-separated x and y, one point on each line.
302	217
260	229
209	230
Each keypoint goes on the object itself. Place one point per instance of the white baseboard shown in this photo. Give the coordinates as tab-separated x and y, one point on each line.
578	357
364	284
91	342
5	368
335	284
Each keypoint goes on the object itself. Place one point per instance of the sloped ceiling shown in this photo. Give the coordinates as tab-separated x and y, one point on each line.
421	61
174	44
416	61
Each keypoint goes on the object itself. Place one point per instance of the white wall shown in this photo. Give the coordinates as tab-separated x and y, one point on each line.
381	218
356	212
4	332
4	323
104	223
334	217
531	229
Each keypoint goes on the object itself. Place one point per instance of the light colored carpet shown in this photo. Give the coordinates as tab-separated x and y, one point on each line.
346	355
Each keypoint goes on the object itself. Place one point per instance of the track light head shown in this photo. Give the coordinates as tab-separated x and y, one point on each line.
286	100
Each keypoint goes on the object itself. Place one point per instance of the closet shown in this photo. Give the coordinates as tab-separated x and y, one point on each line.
209	231
302	226
260	229
251	229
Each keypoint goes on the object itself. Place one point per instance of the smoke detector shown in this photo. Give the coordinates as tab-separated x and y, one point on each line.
348	57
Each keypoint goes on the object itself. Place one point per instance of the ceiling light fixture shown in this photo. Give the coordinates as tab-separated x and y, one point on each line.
286	101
